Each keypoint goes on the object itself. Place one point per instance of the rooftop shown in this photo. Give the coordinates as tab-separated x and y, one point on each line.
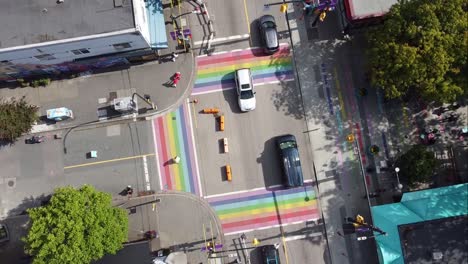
29	22
360	9
438	241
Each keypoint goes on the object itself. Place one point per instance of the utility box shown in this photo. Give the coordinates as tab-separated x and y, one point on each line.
125	105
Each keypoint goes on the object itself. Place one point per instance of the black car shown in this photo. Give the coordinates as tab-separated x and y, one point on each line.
270	254
289	154
268	33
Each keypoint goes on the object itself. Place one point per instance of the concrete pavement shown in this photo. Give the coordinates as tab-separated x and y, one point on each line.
185	229
328	71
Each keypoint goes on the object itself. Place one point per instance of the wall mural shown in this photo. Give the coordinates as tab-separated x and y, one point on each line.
11	72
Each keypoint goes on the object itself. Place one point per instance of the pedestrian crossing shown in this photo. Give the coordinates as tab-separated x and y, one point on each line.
260	209
216	72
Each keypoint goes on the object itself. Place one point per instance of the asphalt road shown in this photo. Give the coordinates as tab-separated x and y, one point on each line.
31	172
252	155
125	156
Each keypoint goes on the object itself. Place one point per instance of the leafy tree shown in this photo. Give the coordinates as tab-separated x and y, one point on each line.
417	165
76	226
421	48
16	118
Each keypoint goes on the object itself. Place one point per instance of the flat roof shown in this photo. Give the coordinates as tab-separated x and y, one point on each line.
419	241
135	253
361	9
29	22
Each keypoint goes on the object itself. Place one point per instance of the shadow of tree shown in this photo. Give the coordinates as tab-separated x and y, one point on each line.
29	202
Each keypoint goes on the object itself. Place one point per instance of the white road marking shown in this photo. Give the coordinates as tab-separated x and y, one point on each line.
235	37
195	150
291	238
145	169
156	157
249	190
265	227
255	85
222	52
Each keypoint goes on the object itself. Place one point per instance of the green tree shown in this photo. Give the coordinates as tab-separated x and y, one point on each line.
417	165
421	48
16	118
76	226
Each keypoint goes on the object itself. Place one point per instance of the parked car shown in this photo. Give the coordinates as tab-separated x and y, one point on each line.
270	254
268	33
290	162
245	91
34	140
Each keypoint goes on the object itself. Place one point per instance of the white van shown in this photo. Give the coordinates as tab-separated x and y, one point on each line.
245	91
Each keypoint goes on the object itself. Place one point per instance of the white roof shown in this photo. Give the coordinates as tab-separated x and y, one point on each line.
360	9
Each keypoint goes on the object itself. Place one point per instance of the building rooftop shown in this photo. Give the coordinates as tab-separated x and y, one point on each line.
360	9
437	241
417	207
136	253
30	22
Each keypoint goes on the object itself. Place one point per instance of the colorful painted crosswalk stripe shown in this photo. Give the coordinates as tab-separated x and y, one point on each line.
216	72
259	209
174	137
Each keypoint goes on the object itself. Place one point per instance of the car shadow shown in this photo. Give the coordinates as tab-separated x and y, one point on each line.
269	159
229	92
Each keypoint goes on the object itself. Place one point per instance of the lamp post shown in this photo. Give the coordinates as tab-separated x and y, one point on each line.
399	185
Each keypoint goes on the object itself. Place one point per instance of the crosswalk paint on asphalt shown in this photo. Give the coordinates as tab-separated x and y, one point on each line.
259	209
216	72
174	137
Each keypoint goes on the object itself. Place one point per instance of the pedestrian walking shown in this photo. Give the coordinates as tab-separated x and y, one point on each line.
174	56
129	190
176	78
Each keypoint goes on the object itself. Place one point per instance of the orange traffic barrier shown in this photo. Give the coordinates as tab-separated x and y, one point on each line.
221	123
228	173
211	110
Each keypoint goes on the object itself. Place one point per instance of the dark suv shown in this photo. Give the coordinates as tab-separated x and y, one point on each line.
270	254
289	154
268	33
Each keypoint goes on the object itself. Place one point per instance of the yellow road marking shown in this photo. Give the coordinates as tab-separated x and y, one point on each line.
284	246
107	161
248	20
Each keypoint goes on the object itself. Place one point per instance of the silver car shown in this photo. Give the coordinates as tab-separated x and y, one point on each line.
268	33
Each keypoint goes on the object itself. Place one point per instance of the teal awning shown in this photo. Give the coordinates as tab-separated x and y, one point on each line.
157	26
419	206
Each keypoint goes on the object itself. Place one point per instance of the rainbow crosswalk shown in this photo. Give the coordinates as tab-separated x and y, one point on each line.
259	209
216	72
174	137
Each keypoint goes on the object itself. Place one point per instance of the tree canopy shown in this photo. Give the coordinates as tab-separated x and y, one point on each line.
417	165
421	48
16	118
76	226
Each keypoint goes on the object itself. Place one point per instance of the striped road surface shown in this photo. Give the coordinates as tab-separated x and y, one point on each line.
173	135
216	72
260	209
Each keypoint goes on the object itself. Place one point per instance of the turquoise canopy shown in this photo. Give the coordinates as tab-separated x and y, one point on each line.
425	205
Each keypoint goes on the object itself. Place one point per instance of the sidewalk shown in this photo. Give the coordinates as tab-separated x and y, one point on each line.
182	221
331	73
329	70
